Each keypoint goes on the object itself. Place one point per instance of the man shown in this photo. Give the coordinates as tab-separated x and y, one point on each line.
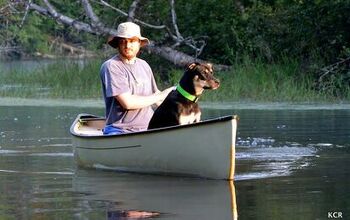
128	84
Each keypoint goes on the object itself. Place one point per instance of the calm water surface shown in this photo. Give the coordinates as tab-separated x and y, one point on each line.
291	164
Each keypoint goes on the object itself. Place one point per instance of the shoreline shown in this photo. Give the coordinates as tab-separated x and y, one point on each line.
244	105
14	101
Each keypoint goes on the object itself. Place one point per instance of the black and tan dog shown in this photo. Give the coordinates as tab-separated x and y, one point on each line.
180	106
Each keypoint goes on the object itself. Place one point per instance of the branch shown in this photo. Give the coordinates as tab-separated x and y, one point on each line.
81	26
179	39
4	8
89	12
173	19
179	58
67	20
114	8
10	8
97	27
330	69
25	13
135	20
132	10
96	23
39	9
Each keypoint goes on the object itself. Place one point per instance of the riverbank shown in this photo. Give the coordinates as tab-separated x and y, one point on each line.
98	103
250	81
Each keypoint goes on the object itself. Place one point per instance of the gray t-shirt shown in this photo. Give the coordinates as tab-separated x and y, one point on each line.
117	78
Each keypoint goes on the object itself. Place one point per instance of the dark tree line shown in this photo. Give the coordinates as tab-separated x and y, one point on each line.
223	32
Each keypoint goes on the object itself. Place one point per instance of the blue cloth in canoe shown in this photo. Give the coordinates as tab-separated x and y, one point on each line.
110	129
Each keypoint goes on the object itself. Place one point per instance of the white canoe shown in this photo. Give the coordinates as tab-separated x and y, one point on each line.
205	149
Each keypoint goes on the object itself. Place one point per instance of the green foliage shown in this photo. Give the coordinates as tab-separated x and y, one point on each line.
313	32
32	37
317	26
269	29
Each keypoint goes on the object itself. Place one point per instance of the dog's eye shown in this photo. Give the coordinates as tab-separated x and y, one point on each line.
201	77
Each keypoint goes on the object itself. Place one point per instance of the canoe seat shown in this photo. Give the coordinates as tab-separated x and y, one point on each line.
90	128
90	132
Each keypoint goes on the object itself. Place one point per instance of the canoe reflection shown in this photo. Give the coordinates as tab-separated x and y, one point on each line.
130	214
132	196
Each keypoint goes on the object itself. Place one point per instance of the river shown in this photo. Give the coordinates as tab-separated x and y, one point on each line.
292	163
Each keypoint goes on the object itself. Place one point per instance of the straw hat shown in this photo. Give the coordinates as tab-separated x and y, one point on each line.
127	30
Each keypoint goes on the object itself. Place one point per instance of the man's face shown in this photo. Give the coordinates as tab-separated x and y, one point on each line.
129	47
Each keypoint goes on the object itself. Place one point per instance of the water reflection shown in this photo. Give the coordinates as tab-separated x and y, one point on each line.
131	214
170	197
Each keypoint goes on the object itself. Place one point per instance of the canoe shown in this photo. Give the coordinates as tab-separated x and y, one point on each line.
204	149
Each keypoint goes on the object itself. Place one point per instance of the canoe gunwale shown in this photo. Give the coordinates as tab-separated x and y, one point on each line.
88	117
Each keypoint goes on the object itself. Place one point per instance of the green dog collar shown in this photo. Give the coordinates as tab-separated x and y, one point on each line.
186	94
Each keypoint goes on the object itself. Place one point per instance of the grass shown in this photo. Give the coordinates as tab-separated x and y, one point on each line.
259	82
63	79
248	81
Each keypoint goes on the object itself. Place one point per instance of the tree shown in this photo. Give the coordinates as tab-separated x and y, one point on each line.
86	17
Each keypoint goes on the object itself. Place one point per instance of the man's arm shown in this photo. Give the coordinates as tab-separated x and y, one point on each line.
129	101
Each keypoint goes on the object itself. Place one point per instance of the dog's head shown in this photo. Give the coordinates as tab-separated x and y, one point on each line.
203	76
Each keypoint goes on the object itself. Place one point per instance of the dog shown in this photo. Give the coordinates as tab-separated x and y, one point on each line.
180	106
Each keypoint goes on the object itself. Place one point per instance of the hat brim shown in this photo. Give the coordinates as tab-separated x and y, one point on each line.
113	41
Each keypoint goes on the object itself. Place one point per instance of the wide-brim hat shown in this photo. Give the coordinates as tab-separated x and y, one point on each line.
127	30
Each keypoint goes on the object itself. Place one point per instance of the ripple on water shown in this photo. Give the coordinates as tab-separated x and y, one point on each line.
59	154
38	172
40	154
258	158
11	151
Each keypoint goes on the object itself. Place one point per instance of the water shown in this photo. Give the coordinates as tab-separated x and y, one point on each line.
33	65
291	164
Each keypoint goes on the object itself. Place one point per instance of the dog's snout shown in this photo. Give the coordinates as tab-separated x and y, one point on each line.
216	84
212	83
216	80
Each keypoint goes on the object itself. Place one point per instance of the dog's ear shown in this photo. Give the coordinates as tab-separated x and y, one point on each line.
191	66
210	67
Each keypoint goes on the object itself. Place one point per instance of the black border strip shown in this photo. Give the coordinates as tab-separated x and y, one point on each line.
110	148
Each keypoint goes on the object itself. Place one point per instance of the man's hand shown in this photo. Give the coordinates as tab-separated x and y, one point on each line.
129	101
